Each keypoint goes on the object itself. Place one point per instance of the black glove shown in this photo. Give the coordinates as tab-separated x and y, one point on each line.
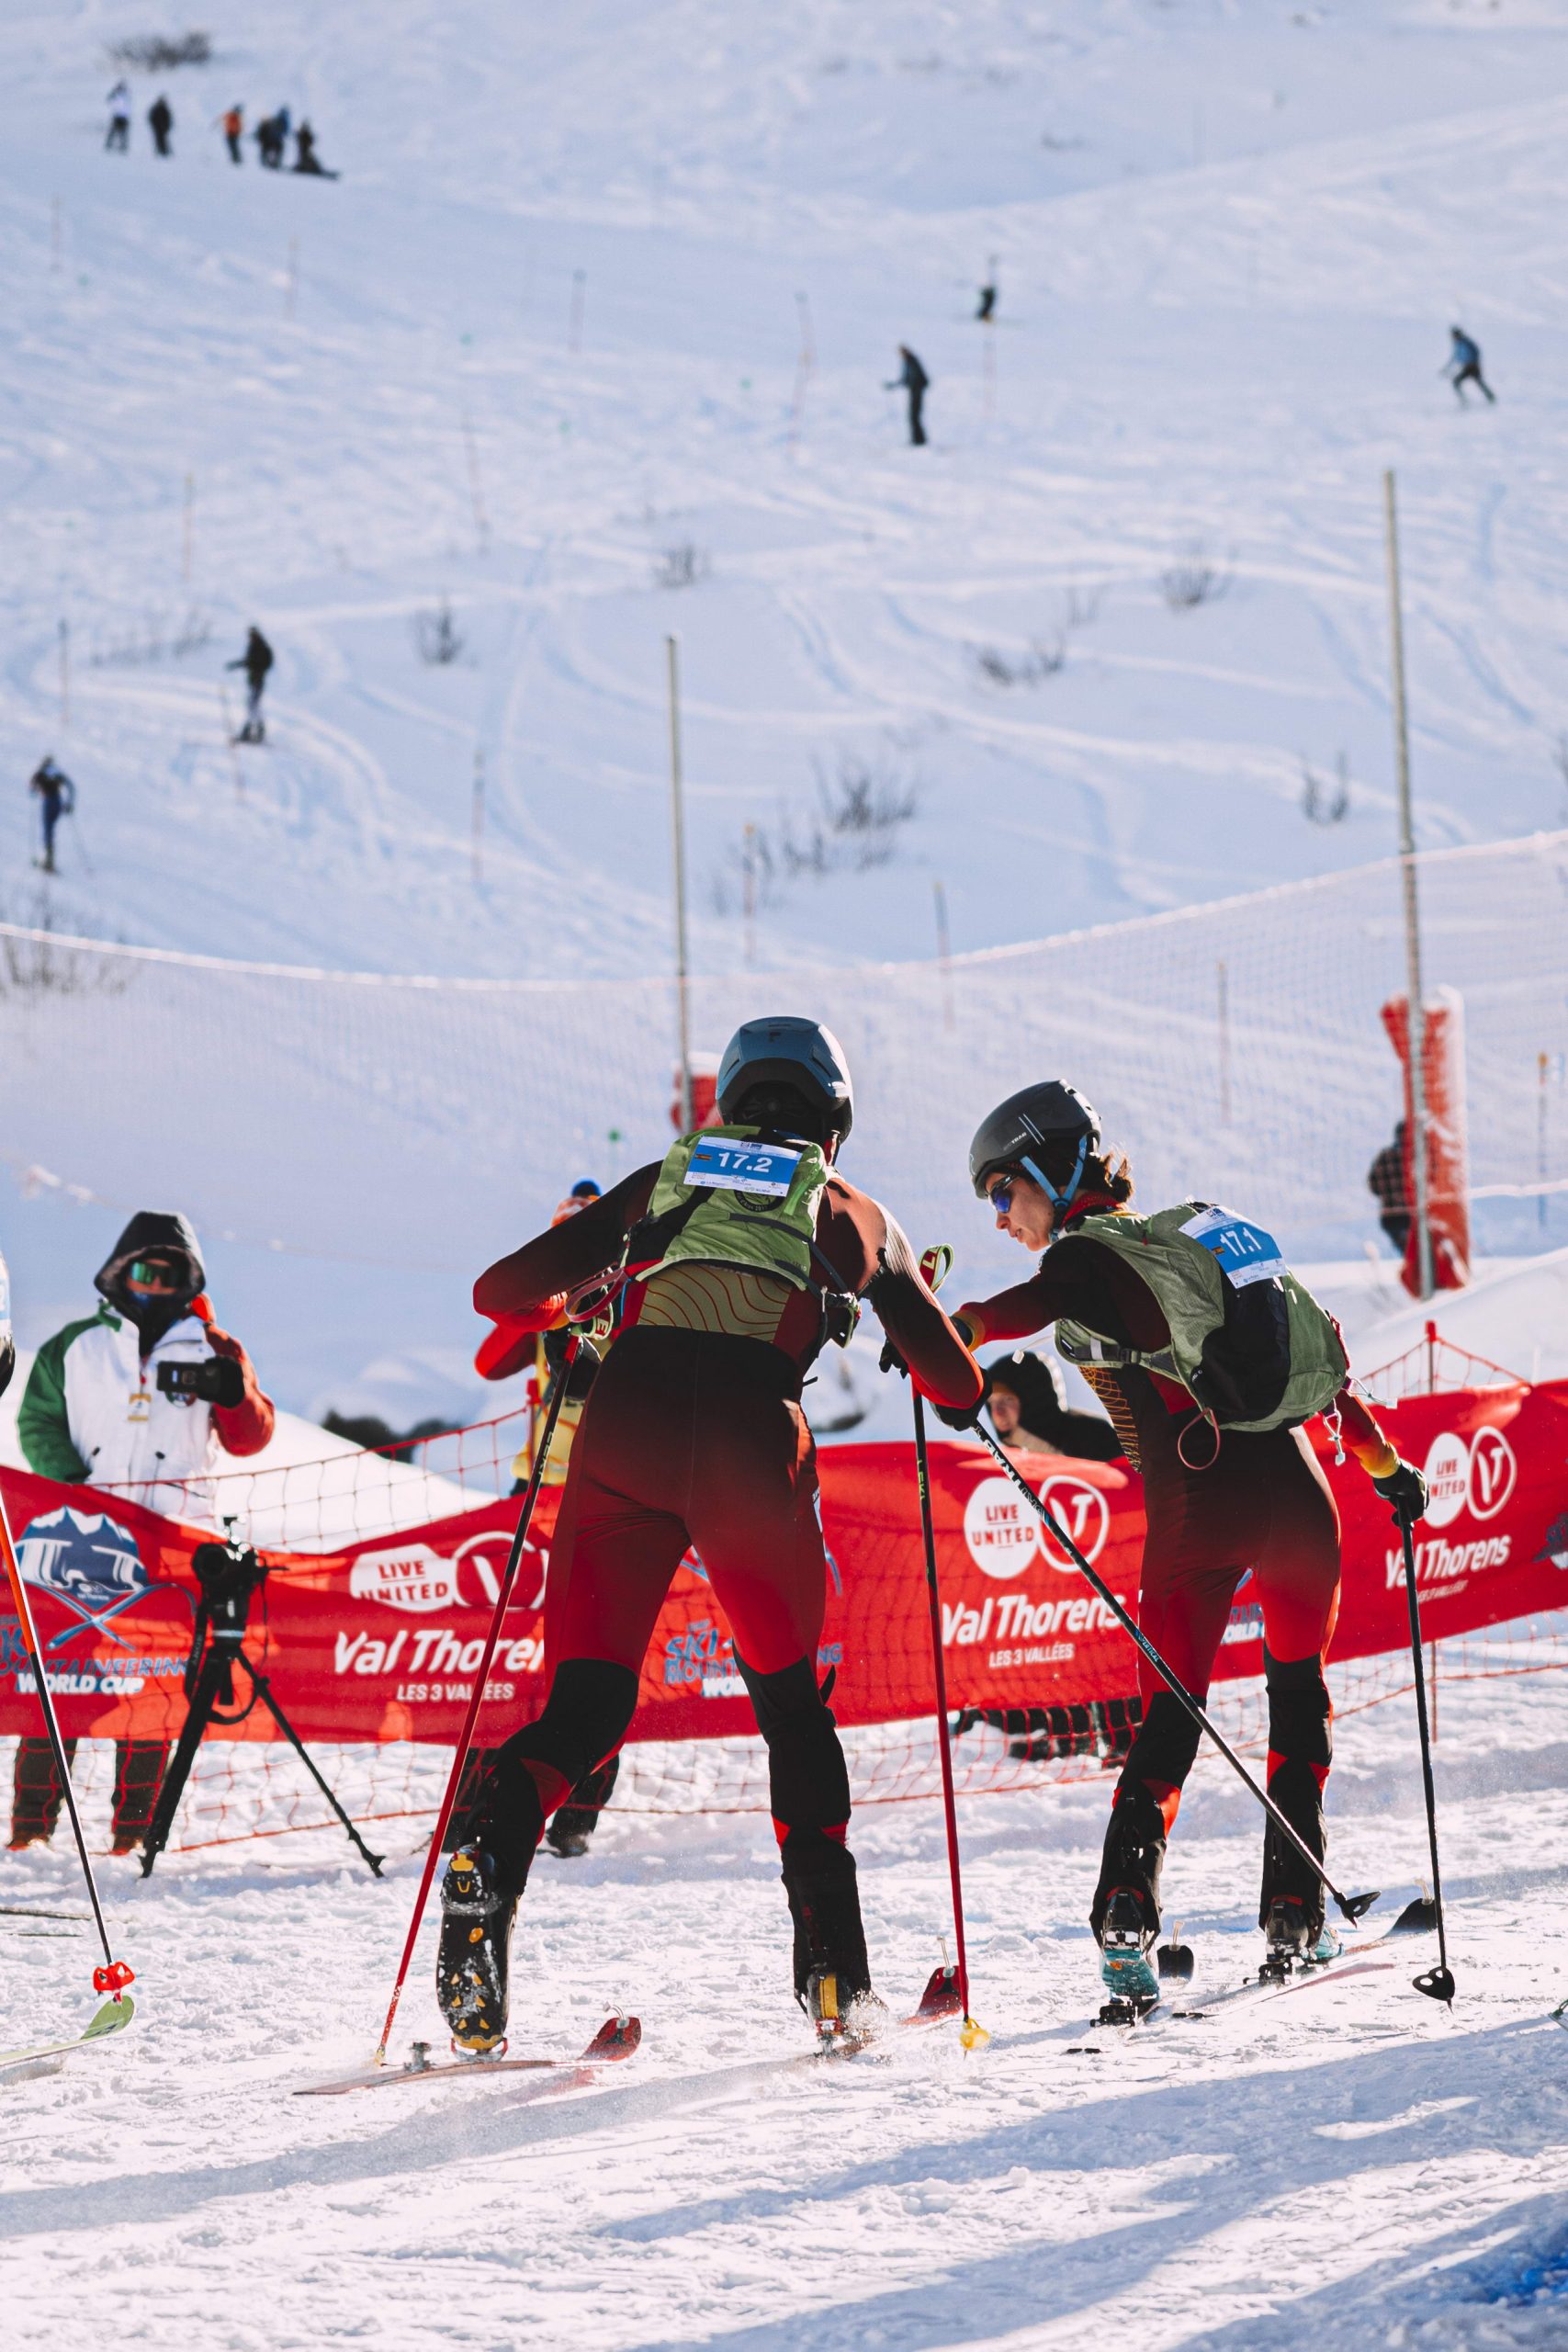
1406	1488
891	1360
959	1416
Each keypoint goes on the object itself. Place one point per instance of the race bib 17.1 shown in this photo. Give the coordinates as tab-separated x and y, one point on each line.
1246	1253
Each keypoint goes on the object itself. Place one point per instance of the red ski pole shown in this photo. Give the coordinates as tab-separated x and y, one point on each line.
514	1560
115	1974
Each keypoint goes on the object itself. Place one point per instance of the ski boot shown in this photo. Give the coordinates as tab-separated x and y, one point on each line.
1296	1940
843	2016
472	1962
1124	1945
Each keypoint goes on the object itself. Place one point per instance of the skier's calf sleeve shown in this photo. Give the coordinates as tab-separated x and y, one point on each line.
1301	1713
808	1780
1166	1746
586	1717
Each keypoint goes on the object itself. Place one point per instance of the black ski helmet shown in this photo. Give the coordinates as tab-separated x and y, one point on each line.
1018	1128
786	1050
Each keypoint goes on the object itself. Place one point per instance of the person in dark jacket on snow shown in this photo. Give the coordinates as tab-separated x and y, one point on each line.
255	661
54	789
1464	365
306	160
159	122
95	1412
916	382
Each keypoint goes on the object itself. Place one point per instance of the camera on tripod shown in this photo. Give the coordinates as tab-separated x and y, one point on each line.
230	1575
211	1380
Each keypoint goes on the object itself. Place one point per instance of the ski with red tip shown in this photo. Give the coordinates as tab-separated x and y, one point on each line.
616	2039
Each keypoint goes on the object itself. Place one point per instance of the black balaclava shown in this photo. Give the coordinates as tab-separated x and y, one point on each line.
153	1233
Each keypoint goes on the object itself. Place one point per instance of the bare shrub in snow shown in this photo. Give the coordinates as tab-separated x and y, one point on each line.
680	567
1193	579
1029	669
438	635
861	807
1080	606
42	966
161	53
1321	805
150	640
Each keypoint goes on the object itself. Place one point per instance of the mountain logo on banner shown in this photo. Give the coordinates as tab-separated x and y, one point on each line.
86	1560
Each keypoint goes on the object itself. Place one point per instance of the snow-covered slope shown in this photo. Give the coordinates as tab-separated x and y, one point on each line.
1351	2166
542	339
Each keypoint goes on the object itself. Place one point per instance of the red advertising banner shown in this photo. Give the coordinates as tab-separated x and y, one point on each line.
381	1640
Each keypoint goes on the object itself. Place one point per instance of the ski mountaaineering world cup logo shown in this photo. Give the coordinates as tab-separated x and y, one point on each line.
87	1561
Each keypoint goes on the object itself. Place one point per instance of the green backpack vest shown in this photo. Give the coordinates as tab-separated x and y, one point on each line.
1248	1342
725	1198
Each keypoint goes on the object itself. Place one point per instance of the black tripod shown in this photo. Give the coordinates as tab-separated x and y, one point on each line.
230	1576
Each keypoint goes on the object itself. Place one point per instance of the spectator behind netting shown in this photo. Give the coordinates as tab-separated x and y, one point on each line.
1389	1185
1027	1400
140	1396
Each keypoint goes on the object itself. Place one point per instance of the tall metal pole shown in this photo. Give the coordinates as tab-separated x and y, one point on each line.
678	821
1416	1024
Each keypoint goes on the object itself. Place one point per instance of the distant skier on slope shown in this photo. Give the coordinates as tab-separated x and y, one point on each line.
255	661
1463	365
53	788
912	379
695	1436
306	158
269	135
231	123
1173	1353
117	136
161	122
500	1357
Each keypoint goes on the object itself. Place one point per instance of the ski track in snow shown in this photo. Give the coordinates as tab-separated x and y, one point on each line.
1347	2162
1230	243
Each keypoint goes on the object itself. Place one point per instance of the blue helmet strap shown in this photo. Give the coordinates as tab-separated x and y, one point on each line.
1062	1200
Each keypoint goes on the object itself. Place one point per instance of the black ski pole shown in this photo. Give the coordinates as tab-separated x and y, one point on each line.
115	1974
973	2036
1351	1905
1438	1983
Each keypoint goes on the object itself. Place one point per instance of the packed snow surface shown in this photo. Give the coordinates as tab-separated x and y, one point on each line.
1344	2164
609	296
606	297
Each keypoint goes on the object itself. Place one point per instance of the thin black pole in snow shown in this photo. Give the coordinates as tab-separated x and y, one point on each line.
115	1974
1438	1983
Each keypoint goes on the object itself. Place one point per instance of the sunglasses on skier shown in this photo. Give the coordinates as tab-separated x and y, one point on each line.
999	1197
